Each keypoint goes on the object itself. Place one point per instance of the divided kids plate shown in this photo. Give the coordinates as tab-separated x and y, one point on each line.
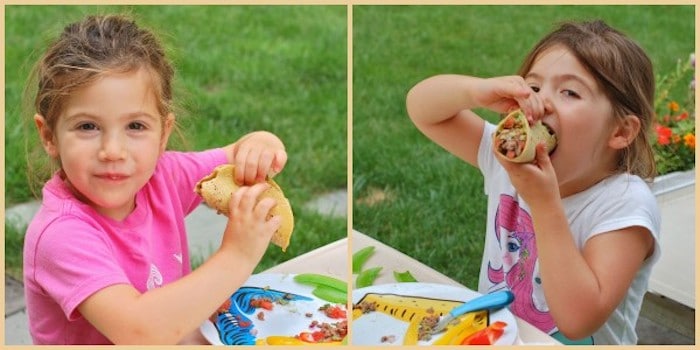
400	299
241	324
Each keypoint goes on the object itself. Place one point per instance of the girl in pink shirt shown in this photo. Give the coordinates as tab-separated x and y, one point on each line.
106	259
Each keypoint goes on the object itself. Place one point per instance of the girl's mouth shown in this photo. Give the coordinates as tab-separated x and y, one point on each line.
551	132
112	177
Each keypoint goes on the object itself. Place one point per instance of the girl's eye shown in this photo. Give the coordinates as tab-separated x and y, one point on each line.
87	127
136	126
535	88
570	93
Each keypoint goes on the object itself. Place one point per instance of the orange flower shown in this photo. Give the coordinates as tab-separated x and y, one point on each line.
675	138
673	106
689	140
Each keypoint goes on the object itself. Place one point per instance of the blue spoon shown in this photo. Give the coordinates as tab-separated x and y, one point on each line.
489	301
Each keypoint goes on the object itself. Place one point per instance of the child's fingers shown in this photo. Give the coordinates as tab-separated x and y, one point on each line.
239	162
252	164
517	88
264	165
262	209
274	223
245	198
542	156
279	162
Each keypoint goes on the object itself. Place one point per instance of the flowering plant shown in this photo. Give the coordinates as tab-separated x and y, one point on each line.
673	139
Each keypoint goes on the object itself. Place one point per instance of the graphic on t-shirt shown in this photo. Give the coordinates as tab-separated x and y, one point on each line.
516	267
155	279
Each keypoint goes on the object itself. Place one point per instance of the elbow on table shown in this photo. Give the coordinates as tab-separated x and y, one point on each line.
575	333
576	328
149	336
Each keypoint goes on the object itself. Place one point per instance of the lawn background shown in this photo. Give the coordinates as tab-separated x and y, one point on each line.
409	192
238	69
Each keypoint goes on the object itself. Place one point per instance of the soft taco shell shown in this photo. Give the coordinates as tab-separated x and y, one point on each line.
217	188
516	139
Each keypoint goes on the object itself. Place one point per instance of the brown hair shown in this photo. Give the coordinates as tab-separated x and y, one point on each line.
624	72
85	51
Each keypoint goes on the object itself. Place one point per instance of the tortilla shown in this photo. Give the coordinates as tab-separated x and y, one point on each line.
516	139
217	188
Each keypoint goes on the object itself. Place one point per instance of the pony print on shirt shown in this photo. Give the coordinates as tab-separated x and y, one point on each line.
516	269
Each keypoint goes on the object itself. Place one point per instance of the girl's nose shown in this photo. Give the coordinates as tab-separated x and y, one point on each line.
113	148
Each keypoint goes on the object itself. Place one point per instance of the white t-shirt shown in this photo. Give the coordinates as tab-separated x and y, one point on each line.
510	254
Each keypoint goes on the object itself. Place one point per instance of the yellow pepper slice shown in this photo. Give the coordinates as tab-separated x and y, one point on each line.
283	340
468	324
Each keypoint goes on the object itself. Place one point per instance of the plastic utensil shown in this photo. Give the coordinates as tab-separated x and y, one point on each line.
494	300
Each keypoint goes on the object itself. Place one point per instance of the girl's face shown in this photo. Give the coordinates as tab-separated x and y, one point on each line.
108	140
580	114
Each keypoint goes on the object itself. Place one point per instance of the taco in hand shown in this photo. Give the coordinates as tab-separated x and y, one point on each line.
516	139
217	188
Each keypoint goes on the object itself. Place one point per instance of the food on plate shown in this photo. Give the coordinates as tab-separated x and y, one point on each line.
326	287
325	332
216	190
486	336
515	139
333	311
427	325
316	279
423	315
388	339
464	326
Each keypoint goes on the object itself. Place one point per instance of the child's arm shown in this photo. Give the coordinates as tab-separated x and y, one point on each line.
167	314
582	288
440	107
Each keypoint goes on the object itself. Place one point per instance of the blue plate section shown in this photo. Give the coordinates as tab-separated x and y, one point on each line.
235	327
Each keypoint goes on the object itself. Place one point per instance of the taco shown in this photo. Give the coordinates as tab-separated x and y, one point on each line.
516	139
217	188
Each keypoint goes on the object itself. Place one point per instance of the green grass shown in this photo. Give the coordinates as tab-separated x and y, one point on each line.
238	69
408	192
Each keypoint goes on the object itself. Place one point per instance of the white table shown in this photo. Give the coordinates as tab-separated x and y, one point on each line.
334	258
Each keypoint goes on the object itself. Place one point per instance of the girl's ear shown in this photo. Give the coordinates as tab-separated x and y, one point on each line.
168	124
625	132
46	135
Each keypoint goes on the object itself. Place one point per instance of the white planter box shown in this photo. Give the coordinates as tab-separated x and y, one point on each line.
673	275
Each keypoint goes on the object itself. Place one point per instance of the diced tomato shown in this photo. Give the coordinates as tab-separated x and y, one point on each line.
486	336
306	336
311	337
509	123
318	336
335	312
261	303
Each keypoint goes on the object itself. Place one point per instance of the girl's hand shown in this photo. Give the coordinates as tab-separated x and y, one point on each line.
535	182
248	231
504	94
256	156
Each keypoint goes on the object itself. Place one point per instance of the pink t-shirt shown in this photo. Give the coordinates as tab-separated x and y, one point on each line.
71	251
